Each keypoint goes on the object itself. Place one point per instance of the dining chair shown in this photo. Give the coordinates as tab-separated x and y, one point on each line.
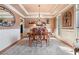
34	36
45	36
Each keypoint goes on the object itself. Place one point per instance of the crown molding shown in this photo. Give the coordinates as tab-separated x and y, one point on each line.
22	7
69	6
41	16
14	9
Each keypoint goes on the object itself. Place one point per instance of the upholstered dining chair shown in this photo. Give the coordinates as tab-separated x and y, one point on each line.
45	36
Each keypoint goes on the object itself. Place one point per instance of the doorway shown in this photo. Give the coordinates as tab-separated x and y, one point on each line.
21	27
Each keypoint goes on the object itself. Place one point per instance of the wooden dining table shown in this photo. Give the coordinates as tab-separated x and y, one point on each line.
42	34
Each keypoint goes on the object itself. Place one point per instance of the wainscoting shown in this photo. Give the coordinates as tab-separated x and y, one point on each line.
8	37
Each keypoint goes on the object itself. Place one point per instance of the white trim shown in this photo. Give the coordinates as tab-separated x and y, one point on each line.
40	16
42	13
64	9
22	7
12	8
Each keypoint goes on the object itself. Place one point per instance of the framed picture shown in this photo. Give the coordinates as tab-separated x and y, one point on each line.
67	19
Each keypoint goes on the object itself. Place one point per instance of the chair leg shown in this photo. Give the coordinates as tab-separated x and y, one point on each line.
75	51
46	42
36	43
30	43
41	43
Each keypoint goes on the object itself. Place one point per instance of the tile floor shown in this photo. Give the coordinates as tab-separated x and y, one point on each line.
55	47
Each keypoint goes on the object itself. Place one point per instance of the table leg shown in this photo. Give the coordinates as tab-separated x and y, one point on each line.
74	52
30	42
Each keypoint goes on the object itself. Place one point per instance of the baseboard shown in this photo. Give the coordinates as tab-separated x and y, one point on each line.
9	46
65	42
70	45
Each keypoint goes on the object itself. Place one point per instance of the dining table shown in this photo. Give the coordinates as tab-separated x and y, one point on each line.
38	35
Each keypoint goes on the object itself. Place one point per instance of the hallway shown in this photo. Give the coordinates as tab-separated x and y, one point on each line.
55	47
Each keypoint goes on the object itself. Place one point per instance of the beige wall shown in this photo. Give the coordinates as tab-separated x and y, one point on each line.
53	24
69	34
26	23
27	20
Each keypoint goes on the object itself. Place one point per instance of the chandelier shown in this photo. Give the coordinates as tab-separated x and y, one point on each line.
39	23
